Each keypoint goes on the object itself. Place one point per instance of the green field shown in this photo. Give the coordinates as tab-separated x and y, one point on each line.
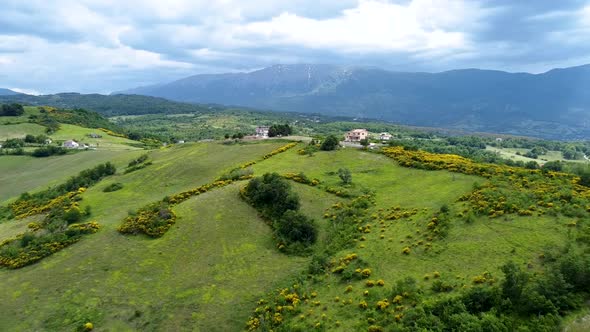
210	269
79	134
23	173
20	130
510	153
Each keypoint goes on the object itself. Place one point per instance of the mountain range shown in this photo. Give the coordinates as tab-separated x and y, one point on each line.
554	104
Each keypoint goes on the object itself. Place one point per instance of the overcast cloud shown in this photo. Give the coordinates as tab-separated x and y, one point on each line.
109	45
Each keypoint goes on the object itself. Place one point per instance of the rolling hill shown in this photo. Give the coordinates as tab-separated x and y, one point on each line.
551	105
415	240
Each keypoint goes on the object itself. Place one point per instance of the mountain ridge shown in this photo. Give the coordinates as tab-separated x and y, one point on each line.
8	92
471	99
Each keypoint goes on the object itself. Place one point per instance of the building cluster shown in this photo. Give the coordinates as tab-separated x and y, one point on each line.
356	135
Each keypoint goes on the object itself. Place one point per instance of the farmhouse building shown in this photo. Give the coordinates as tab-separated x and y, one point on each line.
70	144
262	131
356	135
385	136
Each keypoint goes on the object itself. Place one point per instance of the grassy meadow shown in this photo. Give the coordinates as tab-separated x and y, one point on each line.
208	272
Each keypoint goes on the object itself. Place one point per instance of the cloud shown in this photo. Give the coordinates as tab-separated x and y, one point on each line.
372	27
27	91
105	45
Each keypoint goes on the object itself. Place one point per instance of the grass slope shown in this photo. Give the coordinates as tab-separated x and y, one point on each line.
79	134
209	270
134	283
20	130
23	173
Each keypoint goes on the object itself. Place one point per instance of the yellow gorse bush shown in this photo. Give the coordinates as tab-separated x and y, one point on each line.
112	133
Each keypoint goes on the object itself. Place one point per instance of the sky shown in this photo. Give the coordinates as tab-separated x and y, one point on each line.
50	46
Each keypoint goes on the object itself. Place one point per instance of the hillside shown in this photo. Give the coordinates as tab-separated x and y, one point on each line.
7	92
217	267
550	105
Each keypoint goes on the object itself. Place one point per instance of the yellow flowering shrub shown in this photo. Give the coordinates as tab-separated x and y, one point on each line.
112	133
280	150
383	304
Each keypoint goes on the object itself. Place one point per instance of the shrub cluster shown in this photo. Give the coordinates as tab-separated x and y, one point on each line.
47	151
137	164
301	178
153	220
279	130
40	202
113	187
240	173
272	196
30	247
11	110
141	159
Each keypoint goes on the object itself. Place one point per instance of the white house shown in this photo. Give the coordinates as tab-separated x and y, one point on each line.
48	141
180	141
356	135
70	144
385	136
262	131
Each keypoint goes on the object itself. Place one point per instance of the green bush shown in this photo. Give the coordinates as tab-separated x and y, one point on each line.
345	175
330	143
272	196
113	187
47	151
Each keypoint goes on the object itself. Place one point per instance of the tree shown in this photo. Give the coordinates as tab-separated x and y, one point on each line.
554	165
364	142
14	143
272	195
330	143
514	283
12	110
531	164
293	226
279	130
30	139
345	175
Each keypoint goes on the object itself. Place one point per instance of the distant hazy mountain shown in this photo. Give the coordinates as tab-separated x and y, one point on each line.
7	92
110	105
554	104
